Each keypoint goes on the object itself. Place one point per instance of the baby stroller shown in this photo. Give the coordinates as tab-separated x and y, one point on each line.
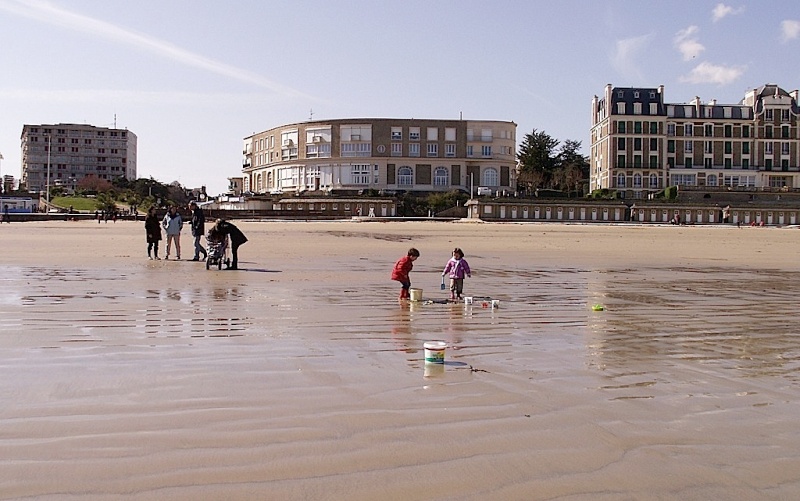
217	252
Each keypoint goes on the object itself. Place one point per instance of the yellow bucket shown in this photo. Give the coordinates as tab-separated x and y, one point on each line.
415	294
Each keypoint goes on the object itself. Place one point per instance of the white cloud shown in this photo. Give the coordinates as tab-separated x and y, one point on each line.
625	54
706	72
790	29
686	43
722	10
45	12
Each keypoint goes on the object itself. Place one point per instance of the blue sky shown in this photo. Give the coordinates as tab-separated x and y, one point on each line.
192	79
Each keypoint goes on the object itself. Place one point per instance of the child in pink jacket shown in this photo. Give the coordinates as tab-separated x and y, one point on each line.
457	268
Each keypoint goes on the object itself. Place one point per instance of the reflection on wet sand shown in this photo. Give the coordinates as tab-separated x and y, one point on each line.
685	386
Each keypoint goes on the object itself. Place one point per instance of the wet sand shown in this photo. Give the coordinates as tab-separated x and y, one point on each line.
302	377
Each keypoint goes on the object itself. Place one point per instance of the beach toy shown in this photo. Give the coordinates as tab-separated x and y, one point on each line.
467	300
495	303
485	304
434	352
415	294
443	287
598	307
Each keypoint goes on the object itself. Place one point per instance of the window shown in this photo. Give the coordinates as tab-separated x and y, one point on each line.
653	127
620	161
654	161
728	131
486	134
768	132
413	133
687	146
653	144
711	180
670	129
637	180
745	131
784	115
728	147
768	114
433	150
688	130
745	163
413	149
441	177
637	108
654	108
653	181
709	130
785	132
767	164
768	148
360	173
397	149
621	108
684	179
708	147
397	133
449	133
707	162
355	133
489	177
637	144
745	148
486	152
621	127
621	144
671	146
728	163
620	180
450	150
469	151
687	163
405	176
433	134
637	127
784	148
637	161
784	165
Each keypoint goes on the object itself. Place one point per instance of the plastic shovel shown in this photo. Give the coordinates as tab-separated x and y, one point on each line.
443	287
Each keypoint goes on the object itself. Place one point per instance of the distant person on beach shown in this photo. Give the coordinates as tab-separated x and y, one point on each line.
6	216
198	230
457	268
173	224
152	228
237	238
401	270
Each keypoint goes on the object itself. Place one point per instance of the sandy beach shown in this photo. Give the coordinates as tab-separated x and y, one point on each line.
300	376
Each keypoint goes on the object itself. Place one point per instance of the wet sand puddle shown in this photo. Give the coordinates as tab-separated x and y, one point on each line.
233	385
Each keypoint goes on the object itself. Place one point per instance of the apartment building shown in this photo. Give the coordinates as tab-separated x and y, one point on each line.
391	155
640	143
70	152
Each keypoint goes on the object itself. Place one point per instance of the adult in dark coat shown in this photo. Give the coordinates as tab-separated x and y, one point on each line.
237	239
198	230
152	227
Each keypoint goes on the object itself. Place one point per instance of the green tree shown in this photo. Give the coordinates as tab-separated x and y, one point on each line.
573	167
537	159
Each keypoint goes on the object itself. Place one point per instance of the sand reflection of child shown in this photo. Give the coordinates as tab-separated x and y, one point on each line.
401	270
457	268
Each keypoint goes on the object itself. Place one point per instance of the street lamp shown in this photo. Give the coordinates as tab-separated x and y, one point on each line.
2	184
47	205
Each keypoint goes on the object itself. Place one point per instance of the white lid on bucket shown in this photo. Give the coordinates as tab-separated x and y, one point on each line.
435	345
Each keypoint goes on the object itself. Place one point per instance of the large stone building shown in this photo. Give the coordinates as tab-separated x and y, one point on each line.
73	152
640	144
384	154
